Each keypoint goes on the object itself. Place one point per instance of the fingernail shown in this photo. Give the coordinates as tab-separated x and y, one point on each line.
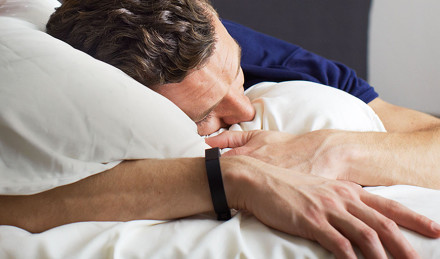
435	227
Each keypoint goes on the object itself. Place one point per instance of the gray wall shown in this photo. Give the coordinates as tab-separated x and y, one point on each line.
405	53
335	29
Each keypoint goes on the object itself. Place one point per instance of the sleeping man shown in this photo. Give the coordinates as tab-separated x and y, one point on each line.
306	185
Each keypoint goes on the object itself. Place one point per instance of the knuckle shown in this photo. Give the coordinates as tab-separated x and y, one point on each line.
331	202
314	216
341	247
394	208
388	225
422	220
393	205
345	191
343	244
369	235
354	186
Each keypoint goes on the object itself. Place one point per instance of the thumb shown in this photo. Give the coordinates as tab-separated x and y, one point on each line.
230	139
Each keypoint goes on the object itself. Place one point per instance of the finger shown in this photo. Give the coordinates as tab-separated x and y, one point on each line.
329	238
402	215
388	231
230	139
359	233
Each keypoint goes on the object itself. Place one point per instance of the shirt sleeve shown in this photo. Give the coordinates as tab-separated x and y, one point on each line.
265	58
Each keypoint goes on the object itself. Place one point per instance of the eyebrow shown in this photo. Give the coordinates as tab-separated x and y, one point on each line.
203	115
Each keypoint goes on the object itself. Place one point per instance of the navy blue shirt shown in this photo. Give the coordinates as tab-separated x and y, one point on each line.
265	58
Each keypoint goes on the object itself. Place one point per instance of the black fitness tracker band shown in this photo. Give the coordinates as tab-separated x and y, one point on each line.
215	182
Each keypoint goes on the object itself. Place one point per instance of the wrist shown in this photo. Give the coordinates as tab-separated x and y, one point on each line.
349	156
335	155
237	179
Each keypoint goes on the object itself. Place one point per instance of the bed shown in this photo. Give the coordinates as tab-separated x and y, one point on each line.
56	107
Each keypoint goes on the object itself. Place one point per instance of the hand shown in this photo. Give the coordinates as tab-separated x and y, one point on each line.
335	213
304	153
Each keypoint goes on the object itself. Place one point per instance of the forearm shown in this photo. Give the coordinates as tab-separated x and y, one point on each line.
387	158
142	189
407	154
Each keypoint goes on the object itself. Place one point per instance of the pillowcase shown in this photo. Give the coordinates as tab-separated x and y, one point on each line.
65	116
36	12
298	107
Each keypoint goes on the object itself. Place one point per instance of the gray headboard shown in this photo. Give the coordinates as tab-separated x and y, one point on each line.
336	29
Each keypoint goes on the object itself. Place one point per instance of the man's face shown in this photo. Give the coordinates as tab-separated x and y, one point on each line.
213	95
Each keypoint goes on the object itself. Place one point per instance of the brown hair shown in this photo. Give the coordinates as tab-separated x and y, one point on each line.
154	41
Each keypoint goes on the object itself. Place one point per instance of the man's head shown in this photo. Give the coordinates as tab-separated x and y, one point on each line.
178	48
213	95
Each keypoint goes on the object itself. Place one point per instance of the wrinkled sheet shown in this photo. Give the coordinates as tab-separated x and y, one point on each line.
198	237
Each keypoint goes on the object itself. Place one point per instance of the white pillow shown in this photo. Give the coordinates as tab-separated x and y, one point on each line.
65	115
298	107
36	12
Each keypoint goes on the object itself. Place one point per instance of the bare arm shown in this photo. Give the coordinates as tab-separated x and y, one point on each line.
407	154
400	119
142	189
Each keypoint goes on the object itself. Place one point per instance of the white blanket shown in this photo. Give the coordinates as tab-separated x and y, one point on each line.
198	237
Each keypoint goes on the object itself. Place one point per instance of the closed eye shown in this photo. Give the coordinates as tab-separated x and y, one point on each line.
204	120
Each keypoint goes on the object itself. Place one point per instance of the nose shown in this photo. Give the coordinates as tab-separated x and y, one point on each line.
237	108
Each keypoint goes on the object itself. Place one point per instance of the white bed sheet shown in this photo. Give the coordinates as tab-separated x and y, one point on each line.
198	237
